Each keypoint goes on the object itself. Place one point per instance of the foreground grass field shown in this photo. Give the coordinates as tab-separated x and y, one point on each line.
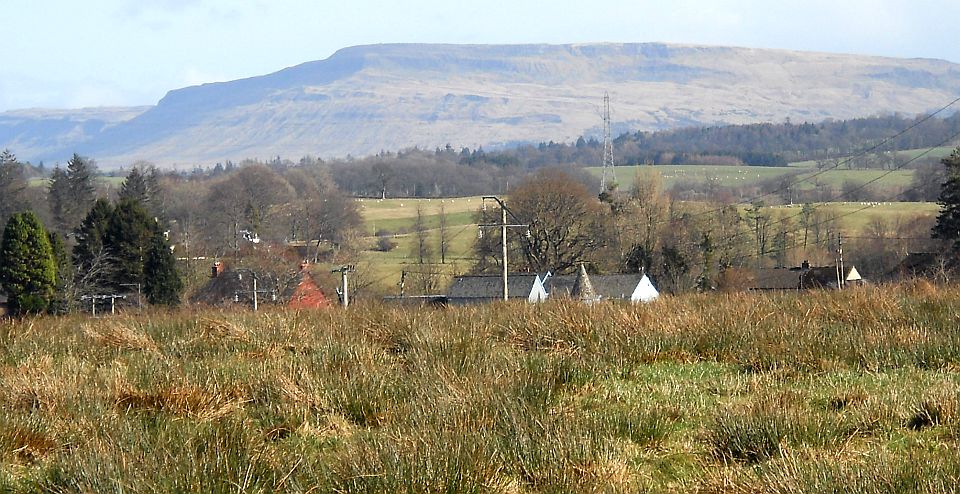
821	392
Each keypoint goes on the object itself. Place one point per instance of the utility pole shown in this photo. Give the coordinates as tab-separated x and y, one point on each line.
840	273
255	292
344	284
503	236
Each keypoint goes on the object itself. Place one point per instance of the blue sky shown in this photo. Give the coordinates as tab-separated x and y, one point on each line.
70	54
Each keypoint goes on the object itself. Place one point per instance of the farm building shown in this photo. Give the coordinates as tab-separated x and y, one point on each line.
633	287
534	288
478	289
804	277
301	291
230	287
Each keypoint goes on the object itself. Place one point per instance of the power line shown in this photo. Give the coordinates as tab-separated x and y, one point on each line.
843	193
851	158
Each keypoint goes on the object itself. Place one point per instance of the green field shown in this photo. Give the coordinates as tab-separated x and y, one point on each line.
731	176
854	217
855	391
397	217
109	181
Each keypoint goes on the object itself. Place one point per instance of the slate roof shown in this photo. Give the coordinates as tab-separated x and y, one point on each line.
485	288
799	278
219	291
826	277
607	286
777	279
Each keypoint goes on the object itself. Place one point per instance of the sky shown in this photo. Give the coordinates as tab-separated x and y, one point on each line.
74	54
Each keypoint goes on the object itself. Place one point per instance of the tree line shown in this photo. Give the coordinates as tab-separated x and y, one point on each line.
95	248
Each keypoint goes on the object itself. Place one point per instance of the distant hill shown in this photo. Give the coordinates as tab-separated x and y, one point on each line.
366	99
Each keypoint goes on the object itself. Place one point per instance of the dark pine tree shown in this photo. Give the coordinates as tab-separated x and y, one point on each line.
90	235
60	304
135	187
127	240
58	198
948	222
161	281
81	192
28	271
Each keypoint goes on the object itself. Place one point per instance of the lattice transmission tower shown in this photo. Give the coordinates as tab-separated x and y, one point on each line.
609	176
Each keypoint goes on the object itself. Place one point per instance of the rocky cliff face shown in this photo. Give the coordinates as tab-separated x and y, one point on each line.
369	98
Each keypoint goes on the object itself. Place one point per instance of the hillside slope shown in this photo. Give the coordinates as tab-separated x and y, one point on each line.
368	98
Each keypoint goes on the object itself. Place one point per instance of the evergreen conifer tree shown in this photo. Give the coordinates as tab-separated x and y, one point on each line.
162	283
58	197
135	187
948	222
81	192
90	255
61	302
28	272
127	240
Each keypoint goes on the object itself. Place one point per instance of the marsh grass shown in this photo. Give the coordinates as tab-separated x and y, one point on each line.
734	393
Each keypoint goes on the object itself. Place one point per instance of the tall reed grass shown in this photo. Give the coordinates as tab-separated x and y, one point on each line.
750	393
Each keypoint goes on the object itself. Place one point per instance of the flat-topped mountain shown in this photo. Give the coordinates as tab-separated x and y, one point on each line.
366	99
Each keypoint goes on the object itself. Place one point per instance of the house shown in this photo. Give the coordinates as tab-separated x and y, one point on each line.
228	287
4	308
534	288
633	287
829	277
477	289
805	277
777	279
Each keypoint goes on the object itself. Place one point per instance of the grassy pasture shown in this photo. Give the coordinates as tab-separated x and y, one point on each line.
855	217
397	216
728	176
855	391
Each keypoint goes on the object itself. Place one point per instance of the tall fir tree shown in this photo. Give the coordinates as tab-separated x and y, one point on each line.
90	255
58	198
948	221
28	271
81	192
135	187
161	281
61	302
127	240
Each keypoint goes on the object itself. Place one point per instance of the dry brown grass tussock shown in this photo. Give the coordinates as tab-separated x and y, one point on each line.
121	335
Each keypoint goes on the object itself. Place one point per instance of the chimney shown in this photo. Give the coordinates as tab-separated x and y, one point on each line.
216	269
